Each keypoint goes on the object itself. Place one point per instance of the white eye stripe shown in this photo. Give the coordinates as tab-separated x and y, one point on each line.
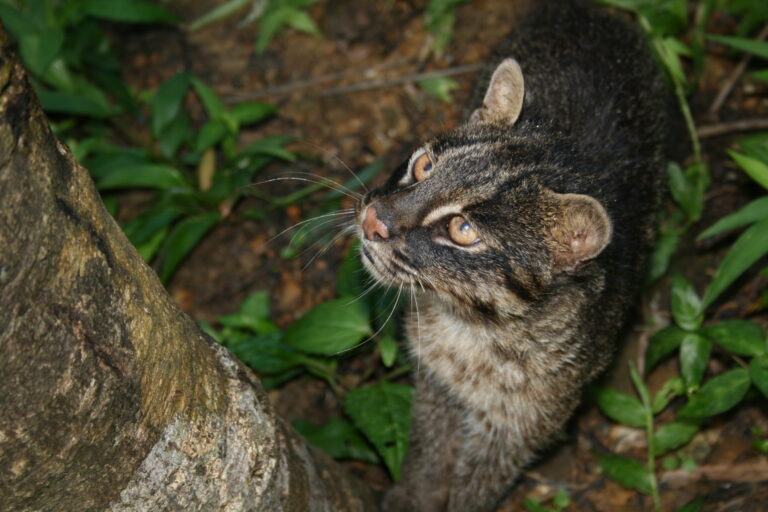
409	174
440	212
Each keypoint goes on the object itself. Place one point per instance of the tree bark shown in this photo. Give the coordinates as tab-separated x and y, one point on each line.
111	398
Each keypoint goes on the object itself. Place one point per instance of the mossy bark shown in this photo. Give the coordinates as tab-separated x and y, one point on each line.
111	397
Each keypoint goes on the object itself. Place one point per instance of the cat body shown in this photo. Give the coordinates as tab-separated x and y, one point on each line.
523	235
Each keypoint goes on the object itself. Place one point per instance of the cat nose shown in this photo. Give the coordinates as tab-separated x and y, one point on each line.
373	228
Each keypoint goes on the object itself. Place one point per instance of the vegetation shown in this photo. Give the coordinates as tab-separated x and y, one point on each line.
198	170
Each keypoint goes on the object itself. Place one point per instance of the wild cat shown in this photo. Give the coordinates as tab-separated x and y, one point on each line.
524	233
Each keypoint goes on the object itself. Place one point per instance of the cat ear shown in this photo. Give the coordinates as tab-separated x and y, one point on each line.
580	230
504	97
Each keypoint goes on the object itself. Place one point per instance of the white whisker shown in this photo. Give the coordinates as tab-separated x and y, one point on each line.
384	324
342	162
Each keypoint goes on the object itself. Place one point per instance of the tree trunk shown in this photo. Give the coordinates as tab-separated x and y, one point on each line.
111	398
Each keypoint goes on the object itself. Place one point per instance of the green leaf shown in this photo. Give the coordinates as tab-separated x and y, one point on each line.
339	438
39	49
752	212
761	75
210	134
717	395
167	101
330	328
143	175
673	435
686	304
270	146
561	499
349	281
277	15
183	238
60	102
130	11
671	388
687	190
149	248
666	245
383	413
753	46
302	22
15	21
661	344
264	353
741	337
212	103
532	505
691	506
748	248
439	87
388	350
756	169
146	225
256	305
758	372
694	356
251	112
620	407
628	472
218	13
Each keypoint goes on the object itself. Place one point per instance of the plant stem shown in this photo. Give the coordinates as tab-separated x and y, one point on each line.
642	390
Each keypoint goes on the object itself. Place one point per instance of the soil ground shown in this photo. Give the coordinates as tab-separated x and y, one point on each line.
349	98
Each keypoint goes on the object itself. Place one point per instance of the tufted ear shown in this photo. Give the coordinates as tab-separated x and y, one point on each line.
580	230
504	98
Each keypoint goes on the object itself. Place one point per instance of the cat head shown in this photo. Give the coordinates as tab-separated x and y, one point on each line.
471	217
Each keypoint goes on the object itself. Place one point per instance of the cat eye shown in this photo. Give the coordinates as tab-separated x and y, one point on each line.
461	231
422	167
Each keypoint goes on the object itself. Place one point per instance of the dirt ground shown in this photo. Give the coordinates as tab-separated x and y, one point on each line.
349	98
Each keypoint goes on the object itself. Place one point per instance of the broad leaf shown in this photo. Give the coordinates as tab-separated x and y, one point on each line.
145	175
628	472
132	11
167	101
251	112
330	328
671	388
750	247
694	356
620	407
211	101
686	304
60	102
752	212
663	343
439	87
673	435
383	413
740	337
388	350
756	169
183	238
758	372
717	395
339	438
753	46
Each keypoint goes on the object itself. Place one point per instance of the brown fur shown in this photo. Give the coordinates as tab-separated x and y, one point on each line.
561	182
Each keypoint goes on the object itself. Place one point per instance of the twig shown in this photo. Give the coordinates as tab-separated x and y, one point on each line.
744	472
734	77
743	125
284	89
363	86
